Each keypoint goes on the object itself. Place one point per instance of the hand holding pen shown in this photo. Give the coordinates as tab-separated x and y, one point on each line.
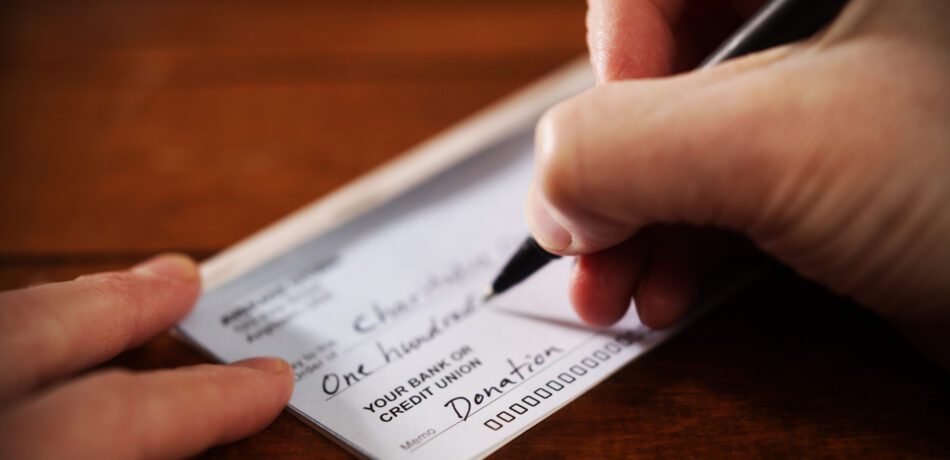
827	153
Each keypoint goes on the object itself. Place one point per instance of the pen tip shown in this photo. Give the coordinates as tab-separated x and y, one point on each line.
489	293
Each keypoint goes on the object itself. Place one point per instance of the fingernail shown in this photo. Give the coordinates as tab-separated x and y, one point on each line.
549	233
266	364
174	266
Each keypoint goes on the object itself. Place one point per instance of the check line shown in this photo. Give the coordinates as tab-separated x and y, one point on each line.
570	352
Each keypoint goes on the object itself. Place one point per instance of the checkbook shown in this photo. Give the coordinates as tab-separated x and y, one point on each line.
374	295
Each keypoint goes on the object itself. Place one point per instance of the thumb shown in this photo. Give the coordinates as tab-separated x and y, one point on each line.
826	157
706	148
805	154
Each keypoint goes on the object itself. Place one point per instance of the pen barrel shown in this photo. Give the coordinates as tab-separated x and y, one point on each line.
777	23
527	259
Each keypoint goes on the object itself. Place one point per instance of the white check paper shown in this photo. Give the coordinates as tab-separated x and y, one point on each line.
394	352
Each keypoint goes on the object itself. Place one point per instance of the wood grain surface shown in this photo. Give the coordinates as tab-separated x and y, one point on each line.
128	128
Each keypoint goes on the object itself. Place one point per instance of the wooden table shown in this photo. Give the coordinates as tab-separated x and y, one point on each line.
129	128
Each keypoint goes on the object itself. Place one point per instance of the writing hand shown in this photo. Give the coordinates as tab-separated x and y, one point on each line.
833	155
49	333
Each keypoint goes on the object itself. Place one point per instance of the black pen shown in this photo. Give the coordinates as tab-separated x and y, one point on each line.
777	23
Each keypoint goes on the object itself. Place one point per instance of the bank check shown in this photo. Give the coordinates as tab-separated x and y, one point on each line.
374	296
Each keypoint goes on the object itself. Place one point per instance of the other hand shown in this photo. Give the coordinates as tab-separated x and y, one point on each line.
51	332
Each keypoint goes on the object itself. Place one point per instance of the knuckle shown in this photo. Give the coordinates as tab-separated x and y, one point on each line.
118	401
120	294
121	286
557	151
119	404
573	148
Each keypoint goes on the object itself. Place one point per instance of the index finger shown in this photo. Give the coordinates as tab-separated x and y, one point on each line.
652	38
631	39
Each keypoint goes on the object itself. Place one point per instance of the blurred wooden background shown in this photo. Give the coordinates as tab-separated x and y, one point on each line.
129	128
